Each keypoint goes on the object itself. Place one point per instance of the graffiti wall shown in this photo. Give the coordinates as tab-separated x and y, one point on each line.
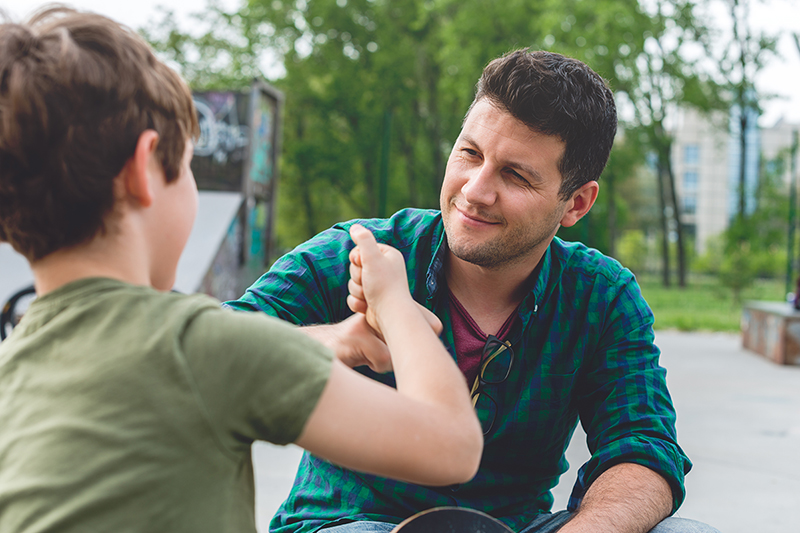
261	174
221	151
238	151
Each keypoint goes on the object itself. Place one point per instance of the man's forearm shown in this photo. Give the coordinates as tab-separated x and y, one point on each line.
626	498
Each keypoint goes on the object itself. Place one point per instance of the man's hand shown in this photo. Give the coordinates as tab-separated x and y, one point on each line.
354	343
384	272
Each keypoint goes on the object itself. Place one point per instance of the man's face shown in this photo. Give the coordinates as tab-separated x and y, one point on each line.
499	198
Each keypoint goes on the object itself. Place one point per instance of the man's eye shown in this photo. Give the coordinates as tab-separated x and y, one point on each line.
516	176
470	151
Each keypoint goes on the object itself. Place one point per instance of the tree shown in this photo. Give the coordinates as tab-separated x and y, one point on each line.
360	75
222	52
740	59
755	247
666	76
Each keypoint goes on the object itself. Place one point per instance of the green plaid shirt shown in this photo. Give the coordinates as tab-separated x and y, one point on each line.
585	351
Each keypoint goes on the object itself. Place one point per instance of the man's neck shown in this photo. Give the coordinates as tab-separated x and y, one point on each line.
489	295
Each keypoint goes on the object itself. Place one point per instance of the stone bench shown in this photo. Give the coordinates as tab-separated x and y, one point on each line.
772	329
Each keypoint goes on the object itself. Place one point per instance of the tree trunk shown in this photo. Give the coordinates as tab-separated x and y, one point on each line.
742	160
676	213
665	274
741	98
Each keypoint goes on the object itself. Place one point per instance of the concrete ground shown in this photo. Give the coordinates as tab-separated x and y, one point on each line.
738	420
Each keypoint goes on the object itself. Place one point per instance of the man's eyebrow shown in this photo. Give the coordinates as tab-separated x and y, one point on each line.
466	138
532	172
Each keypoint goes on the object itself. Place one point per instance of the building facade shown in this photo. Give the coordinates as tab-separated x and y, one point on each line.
706	158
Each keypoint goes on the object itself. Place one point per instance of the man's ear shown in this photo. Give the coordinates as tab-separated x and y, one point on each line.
580	203
137	172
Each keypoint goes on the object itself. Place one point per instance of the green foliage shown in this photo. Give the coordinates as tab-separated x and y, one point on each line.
622	202
634	251
348	64
738	269
704	305
739	61
350	67
710	261
667	75
754	247
221	52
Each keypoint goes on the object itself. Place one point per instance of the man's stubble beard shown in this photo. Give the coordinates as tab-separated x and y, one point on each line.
510	248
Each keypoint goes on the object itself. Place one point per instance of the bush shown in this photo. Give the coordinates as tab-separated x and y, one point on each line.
770	263
633	250
711	260
738	269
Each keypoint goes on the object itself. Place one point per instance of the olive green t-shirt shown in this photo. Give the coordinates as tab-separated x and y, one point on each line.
125	409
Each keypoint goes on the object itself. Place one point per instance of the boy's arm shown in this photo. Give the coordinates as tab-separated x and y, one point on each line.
425	431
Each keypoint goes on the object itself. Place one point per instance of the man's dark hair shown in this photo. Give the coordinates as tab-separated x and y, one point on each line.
76	92
556	95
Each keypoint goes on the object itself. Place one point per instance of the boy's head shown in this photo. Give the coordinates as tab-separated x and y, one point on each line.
76	92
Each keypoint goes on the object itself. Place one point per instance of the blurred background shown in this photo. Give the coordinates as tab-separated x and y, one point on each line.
700	191
319	111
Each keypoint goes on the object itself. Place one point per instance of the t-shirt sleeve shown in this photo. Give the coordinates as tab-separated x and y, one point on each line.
627	412
256	377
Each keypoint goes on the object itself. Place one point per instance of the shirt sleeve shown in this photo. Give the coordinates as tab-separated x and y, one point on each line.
626	409
306	286
256	377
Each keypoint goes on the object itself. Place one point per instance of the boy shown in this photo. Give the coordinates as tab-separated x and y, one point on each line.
124	408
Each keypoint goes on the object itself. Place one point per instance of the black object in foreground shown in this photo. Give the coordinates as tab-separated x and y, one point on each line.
13	309
451	520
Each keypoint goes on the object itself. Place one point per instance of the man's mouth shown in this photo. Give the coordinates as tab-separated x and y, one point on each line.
474	216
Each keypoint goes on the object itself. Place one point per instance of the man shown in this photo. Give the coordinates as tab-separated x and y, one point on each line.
546	332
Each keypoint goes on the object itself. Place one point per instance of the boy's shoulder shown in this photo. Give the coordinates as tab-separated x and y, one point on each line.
116	307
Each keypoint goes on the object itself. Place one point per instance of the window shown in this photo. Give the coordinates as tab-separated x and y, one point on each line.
691	154
690	179
689	202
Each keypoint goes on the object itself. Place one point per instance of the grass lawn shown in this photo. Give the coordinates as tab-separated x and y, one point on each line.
704	305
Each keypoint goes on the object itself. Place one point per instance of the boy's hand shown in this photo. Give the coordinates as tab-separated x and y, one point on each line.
378	278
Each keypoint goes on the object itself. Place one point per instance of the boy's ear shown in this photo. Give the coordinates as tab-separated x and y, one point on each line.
580	203
138	171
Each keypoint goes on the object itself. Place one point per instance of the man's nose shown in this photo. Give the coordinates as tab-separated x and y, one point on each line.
481	186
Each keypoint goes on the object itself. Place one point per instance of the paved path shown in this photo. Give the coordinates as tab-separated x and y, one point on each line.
738	420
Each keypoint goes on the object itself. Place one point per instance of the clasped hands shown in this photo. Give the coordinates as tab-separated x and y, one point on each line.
377	279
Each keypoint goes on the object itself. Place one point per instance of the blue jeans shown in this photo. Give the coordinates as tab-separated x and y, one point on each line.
544	523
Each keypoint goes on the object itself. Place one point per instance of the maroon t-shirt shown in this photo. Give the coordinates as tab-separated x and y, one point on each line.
470	339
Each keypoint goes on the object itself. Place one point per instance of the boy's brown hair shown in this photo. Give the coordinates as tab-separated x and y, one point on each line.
76	92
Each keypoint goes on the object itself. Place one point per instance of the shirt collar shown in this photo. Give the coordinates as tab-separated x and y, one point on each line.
435	272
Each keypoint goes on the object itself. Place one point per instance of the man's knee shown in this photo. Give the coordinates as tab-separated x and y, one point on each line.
682	525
